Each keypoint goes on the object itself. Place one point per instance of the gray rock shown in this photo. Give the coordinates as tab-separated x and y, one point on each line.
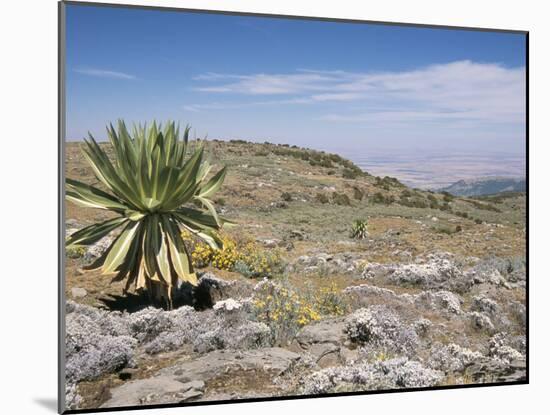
270	243
496	370
375	270
323	340
212	289
155	390
127	373
94	251
274	360
77	292
186	379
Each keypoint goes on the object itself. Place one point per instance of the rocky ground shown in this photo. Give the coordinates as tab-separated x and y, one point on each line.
430	322
429	298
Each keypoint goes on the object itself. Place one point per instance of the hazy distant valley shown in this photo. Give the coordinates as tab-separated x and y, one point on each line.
437	170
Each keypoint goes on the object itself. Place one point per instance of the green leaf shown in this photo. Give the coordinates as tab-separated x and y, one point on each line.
213	184
148	249
120	248
134	215
179	255
95	232
210	206
89	196
163	264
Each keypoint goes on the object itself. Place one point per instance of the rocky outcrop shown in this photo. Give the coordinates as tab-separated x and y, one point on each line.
186	380
496	371
212	289
155	390
325	340
418	324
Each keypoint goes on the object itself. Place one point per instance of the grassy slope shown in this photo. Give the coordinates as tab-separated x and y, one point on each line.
259	175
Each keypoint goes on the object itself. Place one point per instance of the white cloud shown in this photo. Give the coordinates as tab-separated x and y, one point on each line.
451	92
102	73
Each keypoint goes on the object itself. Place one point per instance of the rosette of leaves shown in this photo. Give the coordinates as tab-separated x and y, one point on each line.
359	229
157	188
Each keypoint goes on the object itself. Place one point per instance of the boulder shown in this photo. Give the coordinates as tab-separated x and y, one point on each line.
495	370
77	292
155	390
212	289
324	340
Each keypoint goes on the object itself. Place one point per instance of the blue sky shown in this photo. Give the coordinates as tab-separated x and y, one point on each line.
319	84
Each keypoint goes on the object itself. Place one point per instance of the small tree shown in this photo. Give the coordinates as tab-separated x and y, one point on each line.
148	184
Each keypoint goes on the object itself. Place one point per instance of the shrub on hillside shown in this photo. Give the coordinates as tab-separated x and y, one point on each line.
287	197
358	194
341	199
349	174
321	198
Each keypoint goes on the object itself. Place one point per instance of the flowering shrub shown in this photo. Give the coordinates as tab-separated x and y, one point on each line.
254	262
225	258
329	301
201	255
76	251
285	310
245	257
282	309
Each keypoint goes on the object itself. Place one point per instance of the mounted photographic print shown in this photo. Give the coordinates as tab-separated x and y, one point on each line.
258	207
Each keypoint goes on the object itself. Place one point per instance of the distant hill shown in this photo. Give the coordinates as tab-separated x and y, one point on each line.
485	186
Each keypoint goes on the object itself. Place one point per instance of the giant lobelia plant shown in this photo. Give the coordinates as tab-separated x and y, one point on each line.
151	183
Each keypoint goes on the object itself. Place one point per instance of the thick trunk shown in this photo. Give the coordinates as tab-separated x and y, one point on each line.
160	294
